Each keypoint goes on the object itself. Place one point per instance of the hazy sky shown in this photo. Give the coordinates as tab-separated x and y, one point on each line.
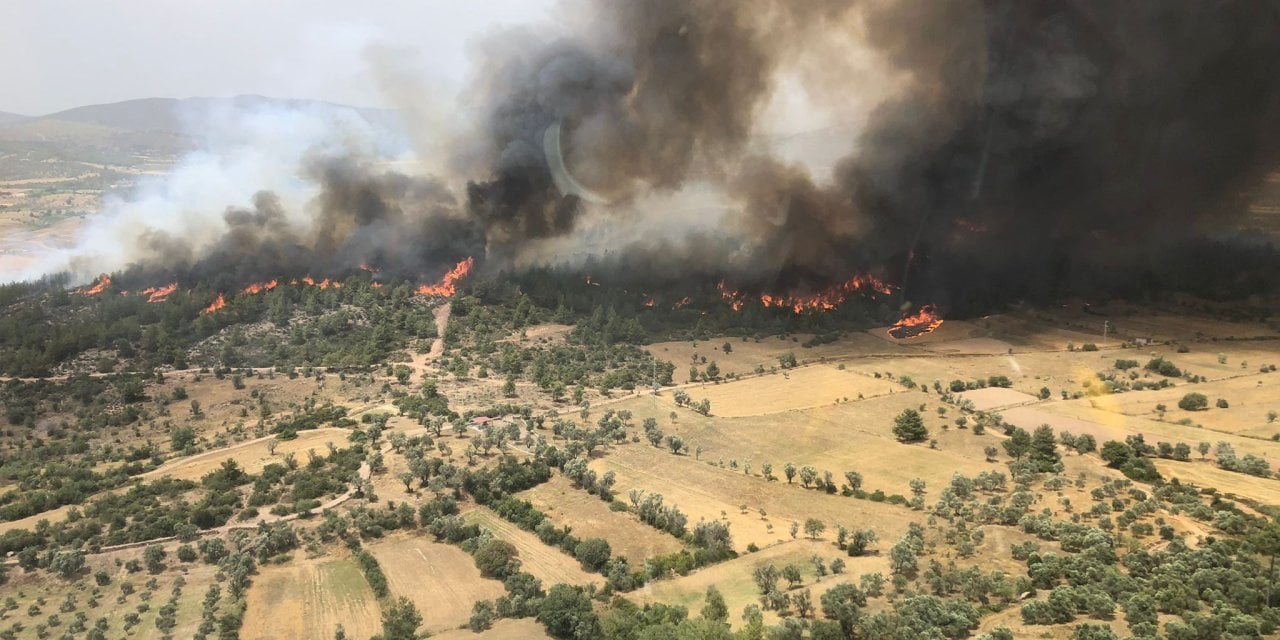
58	54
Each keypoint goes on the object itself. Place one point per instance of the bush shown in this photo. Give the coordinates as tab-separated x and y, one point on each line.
1222	403
1193	402
497	559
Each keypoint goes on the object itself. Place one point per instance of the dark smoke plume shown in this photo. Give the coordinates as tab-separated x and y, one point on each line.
1032	149
1021	149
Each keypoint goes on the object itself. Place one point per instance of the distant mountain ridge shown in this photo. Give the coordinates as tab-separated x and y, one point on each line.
165	115
119	132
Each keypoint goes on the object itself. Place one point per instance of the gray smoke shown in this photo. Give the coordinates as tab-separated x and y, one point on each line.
1015	149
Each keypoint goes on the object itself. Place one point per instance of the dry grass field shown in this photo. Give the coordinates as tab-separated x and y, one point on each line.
28	589
853	435
800	388
747	354
442	580
708	492
546	563
1081	416
733	577
252	456
1206	474
591	517
506	629
1250	397
309	599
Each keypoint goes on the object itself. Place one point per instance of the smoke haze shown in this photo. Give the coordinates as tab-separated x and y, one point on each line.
999	150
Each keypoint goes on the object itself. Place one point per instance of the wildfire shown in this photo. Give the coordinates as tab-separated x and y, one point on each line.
448	285
824	300
682	302
590	282
259	287
159	294
218	303
104	281
921	322
648	300
732	296
364	266
376	285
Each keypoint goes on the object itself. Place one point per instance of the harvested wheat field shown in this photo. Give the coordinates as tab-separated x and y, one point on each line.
708	492
309	599
996	398
252	456
1249	398
547	563
591	517
733	577
800	388
745	354
1206	474
505	629
442	580
851	436
1077	416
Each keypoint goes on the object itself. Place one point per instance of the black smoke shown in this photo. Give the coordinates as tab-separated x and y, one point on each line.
1026	149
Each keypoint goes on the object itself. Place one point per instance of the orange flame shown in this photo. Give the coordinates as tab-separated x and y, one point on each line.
218	303
159	294
590	282
648	300
926	320
681	303
824	300
366	267
448	285
376	285
259	287
308	281
104	281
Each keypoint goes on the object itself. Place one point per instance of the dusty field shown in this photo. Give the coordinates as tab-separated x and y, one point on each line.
53	515
707	492
309	599
441	579
733	577
1078	416
996	397
1207	474
546	563
802	388
26	589
745	355
252	456
590	517
506	629
1250	398
837	438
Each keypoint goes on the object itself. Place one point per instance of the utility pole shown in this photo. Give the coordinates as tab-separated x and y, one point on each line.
1106	324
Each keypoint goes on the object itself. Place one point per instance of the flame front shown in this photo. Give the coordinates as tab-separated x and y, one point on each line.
926	320
159	294
824	300
448	285
259	287
104	281
218	303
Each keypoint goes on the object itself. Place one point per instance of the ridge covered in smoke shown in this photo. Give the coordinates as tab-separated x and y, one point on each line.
1012	150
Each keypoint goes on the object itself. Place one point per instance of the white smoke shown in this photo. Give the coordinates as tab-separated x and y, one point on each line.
242	149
